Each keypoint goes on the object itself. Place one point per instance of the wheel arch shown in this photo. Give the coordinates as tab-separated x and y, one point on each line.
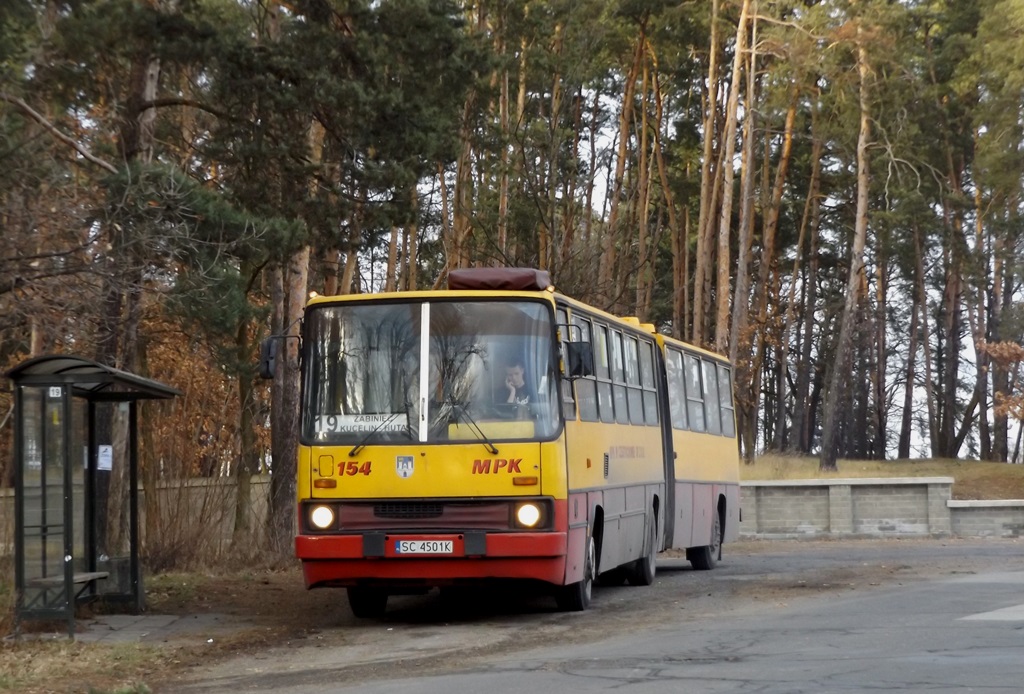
597	523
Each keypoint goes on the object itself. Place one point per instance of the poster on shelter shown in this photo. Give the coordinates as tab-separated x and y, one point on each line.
105	458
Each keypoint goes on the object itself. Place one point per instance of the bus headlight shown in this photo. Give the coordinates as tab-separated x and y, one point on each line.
528	515
322	517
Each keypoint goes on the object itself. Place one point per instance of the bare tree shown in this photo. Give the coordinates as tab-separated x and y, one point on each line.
838	380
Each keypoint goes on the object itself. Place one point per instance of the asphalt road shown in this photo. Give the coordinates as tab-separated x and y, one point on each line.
786	617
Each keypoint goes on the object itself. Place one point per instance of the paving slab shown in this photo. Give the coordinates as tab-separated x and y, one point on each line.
118	628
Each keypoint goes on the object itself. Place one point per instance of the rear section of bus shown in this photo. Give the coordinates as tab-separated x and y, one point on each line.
421	464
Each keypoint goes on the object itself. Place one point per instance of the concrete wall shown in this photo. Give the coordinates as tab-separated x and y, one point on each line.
203	510
1003	518
194	515
872	507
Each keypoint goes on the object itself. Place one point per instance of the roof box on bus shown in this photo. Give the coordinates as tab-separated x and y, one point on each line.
507	278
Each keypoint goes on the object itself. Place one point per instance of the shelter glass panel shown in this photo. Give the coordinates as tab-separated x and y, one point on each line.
42	472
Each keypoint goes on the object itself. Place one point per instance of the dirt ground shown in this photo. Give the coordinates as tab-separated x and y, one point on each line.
273	626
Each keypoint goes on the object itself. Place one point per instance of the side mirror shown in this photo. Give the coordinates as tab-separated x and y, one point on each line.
268	356
579	358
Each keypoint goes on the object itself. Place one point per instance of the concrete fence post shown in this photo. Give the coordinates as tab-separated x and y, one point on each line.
840	509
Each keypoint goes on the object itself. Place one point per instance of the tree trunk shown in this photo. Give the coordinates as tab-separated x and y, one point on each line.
741	297
907	418
708	185
723	292
520	118
118	336
1002	285
391	272
929	381
643	270
570	221
461	198
838	382
678	236
878	373
801	379
725	218
350	269
606	273
950	345
410	273
282	481
447	232
248	456
505	136
545	244
805	411
588	208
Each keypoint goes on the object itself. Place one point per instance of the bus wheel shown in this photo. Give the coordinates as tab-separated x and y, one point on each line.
641	572
367	602
614	577
576	596
705	558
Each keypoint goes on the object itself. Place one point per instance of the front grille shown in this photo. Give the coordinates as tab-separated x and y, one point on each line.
408	510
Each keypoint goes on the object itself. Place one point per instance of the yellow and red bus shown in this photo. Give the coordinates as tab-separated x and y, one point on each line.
421	464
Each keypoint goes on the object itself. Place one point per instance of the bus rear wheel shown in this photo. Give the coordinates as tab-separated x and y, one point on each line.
367	603
612	578
575	597
641	571
705	558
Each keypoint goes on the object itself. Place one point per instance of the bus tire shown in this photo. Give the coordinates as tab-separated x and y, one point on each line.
367	603
575	597
612	578
641	571
705	558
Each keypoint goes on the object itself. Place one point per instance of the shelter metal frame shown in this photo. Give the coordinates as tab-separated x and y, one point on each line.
61	378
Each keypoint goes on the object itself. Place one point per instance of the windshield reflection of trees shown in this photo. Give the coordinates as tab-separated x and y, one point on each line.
364	361
458	359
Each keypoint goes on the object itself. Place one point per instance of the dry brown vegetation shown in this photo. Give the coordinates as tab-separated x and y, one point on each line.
972	479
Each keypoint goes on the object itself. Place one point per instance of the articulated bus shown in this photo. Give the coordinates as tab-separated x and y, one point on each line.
497	429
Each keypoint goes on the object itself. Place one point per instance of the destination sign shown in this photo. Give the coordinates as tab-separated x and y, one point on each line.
361	423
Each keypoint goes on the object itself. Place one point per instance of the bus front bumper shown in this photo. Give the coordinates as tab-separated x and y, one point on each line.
345	560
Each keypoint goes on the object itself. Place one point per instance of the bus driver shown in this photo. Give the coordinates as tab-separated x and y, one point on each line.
516	383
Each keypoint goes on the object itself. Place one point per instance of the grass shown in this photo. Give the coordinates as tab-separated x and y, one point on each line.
44	665
971	479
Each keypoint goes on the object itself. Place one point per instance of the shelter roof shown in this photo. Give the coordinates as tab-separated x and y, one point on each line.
88	379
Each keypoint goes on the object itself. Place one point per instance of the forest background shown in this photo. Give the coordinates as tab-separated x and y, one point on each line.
829	192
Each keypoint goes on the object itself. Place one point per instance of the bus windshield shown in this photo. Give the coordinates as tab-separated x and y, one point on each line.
487	372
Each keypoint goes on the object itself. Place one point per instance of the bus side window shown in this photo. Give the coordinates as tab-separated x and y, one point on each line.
634	393
619	379
676	389
694	394
568	403
586	387
604	387
712	406
725	396
650	395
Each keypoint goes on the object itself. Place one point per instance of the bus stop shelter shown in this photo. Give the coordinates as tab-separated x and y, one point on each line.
75	451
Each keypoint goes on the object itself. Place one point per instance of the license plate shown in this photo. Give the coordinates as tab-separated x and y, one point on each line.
423	546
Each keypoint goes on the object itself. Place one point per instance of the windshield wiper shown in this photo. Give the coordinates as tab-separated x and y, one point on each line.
362	442
462	413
